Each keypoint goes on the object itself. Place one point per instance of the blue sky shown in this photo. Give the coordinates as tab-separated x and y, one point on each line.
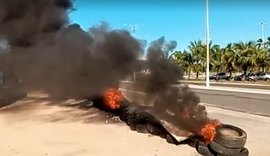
230	20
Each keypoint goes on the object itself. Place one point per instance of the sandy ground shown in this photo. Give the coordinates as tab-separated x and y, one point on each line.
36	126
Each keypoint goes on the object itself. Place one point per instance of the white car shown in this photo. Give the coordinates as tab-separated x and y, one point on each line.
264	76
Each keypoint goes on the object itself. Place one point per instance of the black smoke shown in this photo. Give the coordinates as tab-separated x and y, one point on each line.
25	22
48	54
170	101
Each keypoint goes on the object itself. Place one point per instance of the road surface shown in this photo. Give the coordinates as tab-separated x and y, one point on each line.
241	101
255	101
237	84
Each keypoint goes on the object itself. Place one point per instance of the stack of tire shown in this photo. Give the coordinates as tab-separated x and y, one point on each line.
140	120
229	141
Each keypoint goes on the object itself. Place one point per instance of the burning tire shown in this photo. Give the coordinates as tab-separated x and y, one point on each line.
141	128
154	129
229	141
230	137
203	149
223	150
137	119
243	152
206	150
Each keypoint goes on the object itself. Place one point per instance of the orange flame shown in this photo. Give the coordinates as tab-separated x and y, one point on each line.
112	98
208	132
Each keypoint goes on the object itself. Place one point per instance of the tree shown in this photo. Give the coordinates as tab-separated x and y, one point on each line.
216	58
229	58
245	55
267	43
198	52
185	60
262	58
260	43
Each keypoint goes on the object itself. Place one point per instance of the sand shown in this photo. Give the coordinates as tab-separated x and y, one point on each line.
37	126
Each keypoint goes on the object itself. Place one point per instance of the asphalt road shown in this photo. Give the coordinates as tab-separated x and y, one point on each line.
245	102
256	85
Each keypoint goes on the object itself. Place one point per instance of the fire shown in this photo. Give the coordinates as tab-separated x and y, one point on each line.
112	98
208	132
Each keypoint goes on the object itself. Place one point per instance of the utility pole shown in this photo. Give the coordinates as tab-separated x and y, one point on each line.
207	75
262	24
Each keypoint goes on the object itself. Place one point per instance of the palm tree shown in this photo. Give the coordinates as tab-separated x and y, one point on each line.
216	58
185	60
267	43
198	52
262	58
260	43
229	58
245	55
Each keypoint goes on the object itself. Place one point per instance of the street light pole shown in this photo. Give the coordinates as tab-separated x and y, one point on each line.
207	81
262	33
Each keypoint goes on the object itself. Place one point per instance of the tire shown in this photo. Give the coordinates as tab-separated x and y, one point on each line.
223	150
136	119
267	79
232	141
243	152
125	112
170	139
203	149
130	118
141	128
153	129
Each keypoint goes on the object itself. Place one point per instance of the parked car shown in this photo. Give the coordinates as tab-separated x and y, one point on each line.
258	76
263	76
220	76
252	76
240	77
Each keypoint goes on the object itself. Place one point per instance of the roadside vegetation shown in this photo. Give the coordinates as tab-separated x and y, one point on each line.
240	57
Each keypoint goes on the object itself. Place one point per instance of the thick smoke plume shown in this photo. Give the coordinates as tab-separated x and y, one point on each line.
25	22
177	104
45	53
48	55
